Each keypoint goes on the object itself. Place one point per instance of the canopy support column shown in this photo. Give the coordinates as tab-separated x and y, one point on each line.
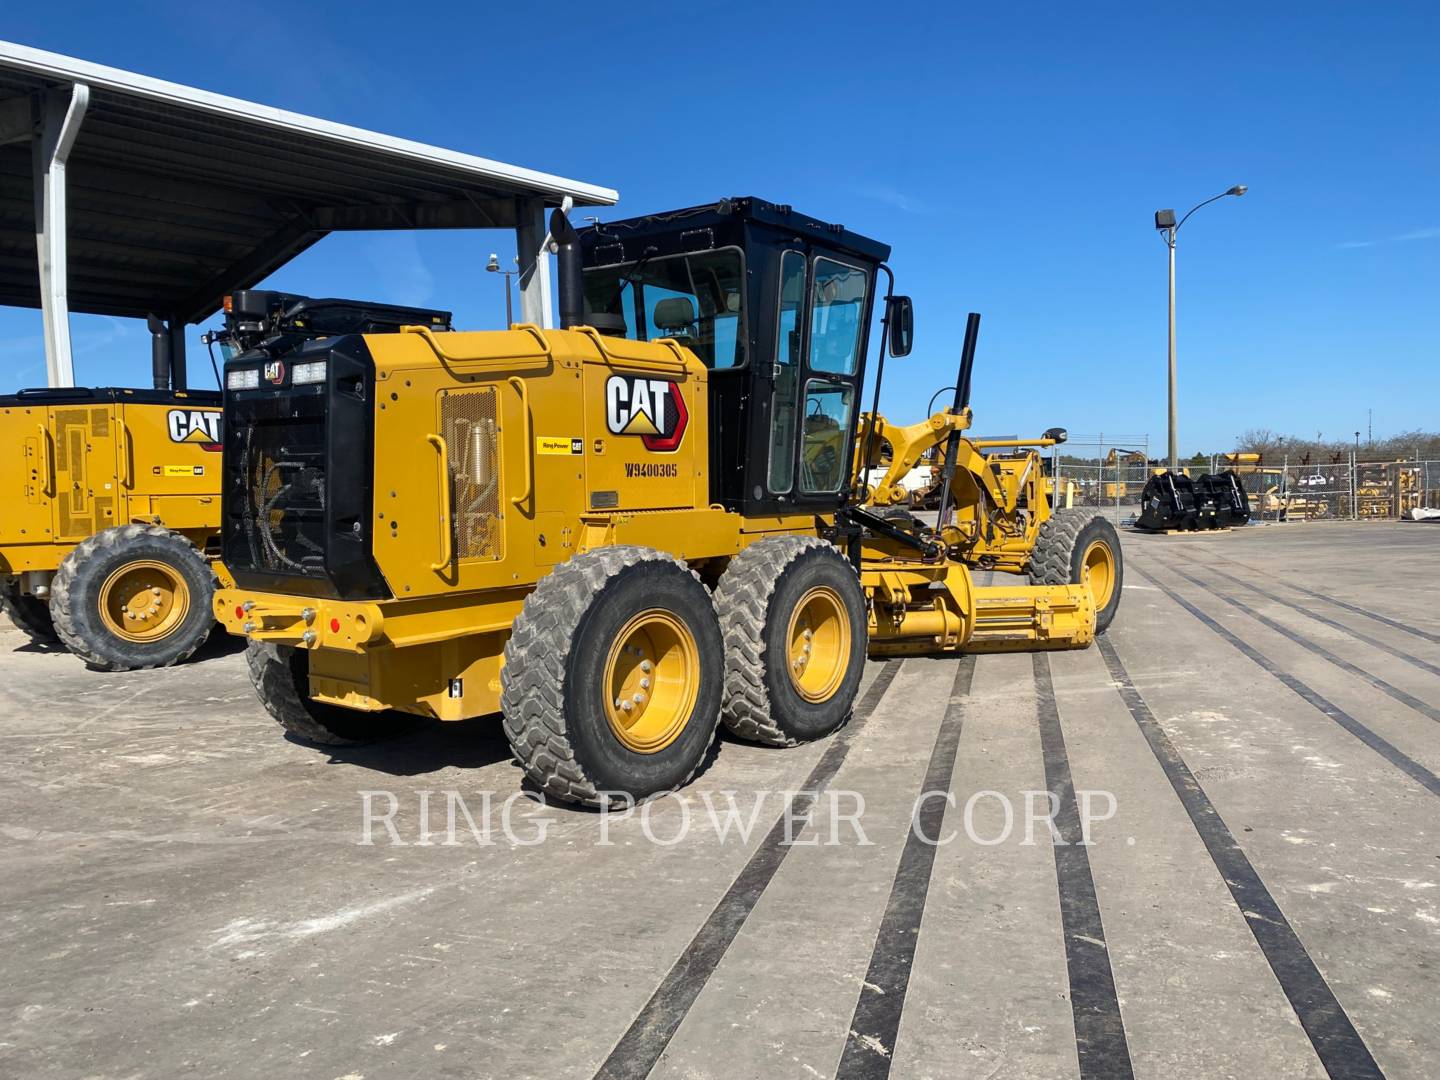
530	234
61	114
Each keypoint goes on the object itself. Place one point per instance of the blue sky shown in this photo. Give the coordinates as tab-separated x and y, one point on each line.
1012	155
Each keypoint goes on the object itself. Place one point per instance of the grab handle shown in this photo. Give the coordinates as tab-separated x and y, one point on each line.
127	474
47	463
446	553
529	443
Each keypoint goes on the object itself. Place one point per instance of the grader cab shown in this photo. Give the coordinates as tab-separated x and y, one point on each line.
623	532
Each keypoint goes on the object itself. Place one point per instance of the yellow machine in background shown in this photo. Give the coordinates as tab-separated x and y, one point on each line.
108	503
620	533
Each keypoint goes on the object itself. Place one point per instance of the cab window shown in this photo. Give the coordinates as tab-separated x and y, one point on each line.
783	404
695	299
835	319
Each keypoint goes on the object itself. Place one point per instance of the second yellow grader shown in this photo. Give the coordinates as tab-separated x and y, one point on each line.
619	534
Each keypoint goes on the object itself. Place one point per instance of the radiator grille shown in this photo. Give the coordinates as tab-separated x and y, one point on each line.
469	426
281	505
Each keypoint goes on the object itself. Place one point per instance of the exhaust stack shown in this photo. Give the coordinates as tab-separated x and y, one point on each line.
569	270
159	351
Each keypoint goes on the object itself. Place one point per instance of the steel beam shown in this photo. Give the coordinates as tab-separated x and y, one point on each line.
61	116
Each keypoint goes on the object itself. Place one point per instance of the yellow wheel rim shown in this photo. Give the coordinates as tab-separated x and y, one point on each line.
144	601
1097	573
818	644
652	678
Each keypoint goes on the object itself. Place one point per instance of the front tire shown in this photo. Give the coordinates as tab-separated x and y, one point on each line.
137	596
794	619
30	614
281	677
1080	547
612	676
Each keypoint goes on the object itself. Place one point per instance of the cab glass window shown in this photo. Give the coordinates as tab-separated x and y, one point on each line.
835	321
828	408
695	299
783	403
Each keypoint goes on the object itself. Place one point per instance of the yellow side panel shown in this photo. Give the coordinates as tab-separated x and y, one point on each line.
172	451
26	488
86	483
580	427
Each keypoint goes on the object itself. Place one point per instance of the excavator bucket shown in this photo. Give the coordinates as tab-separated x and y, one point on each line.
1222	499
1172	501
1167	503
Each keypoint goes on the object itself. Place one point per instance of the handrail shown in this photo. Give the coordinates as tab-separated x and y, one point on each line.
529	440
446	553
524	362
47	469
678	366
127	472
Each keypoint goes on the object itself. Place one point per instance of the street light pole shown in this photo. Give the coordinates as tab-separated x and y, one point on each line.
493	266
1168	227
1174	444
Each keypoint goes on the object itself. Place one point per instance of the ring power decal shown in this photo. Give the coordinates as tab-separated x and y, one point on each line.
653	409
194	426
559	444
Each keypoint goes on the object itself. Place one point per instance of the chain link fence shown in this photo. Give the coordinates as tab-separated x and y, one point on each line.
1109	474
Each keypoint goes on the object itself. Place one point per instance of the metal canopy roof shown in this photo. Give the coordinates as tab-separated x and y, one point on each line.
177	195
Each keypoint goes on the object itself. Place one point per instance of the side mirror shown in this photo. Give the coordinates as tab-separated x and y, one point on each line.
900	317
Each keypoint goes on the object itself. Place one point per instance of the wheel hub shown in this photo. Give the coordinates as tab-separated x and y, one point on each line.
818	644
1097	572
144	601
651	681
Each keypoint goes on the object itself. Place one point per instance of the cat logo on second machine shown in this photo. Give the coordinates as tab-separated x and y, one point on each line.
653	409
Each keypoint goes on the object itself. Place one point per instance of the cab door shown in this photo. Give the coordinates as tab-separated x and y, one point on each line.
824	304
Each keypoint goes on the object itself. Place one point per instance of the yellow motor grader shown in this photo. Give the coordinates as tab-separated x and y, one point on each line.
624	532
110	499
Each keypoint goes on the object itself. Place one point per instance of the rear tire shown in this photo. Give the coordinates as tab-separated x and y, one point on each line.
782	688
281	676
578	654
30	614
1078	546
113	584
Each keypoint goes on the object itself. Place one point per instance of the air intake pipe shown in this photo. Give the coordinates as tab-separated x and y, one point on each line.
570	270
159	351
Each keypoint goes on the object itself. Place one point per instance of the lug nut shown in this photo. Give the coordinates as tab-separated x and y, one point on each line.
644	684
645	665
155	589
808	635
625	706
